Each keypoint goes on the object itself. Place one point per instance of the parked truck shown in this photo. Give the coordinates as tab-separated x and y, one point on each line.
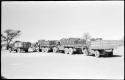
77	45
71	46
68	46
19	46
47	46
102	47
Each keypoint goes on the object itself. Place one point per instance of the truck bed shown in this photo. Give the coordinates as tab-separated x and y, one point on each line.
105	44
22	44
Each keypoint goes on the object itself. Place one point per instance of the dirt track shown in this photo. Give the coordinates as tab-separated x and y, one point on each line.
56	65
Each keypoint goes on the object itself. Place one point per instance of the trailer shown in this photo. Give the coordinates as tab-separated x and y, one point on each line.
47	46
19	46
102	47
68	46
79	46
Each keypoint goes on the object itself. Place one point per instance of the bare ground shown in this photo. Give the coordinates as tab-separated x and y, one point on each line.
60	66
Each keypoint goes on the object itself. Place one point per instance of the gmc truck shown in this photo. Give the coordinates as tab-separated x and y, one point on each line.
19	46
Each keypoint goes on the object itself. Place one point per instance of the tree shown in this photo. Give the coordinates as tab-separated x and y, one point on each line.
87	38
9	36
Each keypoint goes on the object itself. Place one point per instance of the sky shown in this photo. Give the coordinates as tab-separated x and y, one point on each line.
53	20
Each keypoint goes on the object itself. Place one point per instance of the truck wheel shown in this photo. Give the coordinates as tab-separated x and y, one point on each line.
55	50
37	49
85	52
26	50
43	50
10	50
97	53
46	50
33	49
70	51
92	52
40	50
18	50
82	51
66	50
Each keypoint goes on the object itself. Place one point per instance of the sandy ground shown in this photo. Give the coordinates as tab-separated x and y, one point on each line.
39	65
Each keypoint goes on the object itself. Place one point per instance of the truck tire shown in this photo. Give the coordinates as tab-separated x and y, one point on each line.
97	53
66	50
55	50
46	50
43	49
92	52
37	50
18	50
70	51
26	50
10	50
85	52
40	50
82	51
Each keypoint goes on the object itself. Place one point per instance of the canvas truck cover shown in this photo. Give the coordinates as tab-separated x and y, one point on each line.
47	43
43	43
26	44
68	41
104	44
22	44
53	42
18	44
72	42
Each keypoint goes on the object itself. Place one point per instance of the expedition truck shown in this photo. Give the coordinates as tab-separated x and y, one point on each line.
77	45
97	48
47	46
102	47
19	46
68	46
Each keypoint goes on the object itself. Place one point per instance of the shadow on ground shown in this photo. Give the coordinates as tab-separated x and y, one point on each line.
102	56
112	56
20	52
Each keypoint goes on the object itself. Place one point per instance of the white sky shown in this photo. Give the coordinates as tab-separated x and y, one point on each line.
53	20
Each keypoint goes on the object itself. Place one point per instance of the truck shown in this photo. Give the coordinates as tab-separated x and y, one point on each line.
71	45
47	46
79	46
102	47
68	46
19	46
